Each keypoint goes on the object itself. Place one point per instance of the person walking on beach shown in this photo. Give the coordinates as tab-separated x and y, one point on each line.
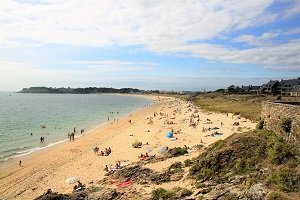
20	163
74	129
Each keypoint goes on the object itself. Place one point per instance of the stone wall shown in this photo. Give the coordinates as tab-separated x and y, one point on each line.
273	113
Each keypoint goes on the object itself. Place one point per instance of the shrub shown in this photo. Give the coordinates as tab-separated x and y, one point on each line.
281	152
205	174
188	162
275	196
178	151
288	180
160	193
176	167
261	150
260	124
285	125
185	192
240	167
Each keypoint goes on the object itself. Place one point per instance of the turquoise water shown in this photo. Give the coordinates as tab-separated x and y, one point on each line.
23	114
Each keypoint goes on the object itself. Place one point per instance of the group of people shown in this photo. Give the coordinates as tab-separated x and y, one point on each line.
106	152
143	157
71	136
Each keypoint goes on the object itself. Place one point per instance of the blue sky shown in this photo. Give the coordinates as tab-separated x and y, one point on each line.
167	45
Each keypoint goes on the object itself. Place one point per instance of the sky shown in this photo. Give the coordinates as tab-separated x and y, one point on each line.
148	44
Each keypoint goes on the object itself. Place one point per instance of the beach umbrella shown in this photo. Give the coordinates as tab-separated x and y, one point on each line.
169	134
162	149
72	180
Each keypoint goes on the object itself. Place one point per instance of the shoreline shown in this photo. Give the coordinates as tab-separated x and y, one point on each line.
50	168
35	151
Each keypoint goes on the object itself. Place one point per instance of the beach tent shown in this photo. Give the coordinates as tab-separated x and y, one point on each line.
162	149
169	134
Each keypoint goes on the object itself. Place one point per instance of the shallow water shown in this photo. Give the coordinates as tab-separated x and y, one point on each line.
23	114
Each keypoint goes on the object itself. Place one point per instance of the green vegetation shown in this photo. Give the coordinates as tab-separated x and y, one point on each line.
247	154
176	167
188	162
178	151
285	125
275	196
260	124
175	193
247	105
161	193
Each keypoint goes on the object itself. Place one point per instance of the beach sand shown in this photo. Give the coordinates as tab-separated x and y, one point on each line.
49	168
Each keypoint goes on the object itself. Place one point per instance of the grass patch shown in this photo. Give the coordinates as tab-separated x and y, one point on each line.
175	193
248	106
161	193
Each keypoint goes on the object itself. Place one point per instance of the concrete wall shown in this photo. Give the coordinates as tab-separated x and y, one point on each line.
273	113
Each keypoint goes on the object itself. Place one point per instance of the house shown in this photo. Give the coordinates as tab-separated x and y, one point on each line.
245	89
262	89
285	86
250	89
295	91
254	89
271	87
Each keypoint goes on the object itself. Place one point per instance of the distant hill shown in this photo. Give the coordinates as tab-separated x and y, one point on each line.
88	90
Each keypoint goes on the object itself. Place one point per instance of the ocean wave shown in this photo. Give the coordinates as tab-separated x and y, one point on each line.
26	152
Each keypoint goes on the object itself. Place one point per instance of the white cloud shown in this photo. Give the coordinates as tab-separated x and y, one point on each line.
163	27
263	40
102	23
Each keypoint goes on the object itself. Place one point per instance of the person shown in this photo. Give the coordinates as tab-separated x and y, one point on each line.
74	129
221	124
31	134
106	168
20	163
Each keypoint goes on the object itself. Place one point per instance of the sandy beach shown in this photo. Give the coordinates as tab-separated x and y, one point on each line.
49	168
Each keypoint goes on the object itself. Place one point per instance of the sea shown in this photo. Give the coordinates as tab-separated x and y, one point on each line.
25	118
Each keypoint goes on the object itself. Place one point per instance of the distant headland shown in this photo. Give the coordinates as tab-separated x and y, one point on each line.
87	90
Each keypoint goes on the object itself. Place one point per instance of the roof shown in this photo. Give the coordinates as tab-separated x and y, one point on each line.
271	83
296	88
255	87
245	87
289	82
264	86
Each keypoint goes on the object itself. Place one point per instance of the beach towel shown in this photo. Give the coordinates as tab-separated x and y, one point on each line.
124	184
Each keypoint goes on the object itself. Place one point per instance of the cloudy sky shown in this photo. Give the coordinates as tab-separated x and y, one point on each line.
148	44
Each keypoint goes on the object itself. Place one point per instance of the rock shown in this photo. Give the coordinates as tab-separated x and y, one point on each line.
238	179
175	177
107	194
257	192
